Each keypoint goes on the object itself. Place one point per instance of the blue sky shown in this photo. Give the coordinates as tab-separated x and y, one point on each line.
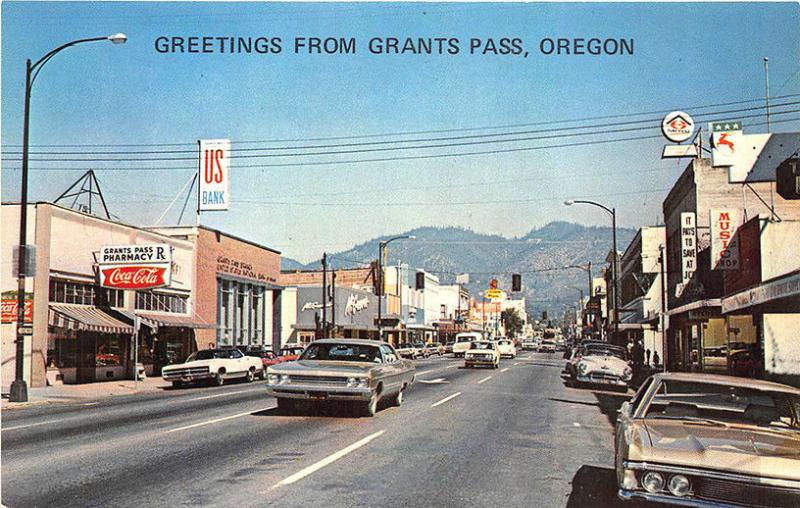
100	94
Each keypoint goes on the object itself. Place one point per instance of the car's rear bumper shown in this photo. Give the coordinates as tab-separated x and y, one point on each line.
319	393
471	361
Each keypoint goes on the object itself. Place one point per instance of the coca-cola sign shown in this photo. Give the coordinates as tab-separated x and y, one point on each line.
9	311
135	277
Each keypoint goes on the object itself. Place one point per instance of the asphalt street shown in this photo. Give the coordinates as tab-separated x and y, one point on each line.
463	437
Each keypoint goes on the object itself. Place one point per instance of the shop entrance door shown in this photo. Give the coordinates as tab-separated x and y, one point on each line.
86	359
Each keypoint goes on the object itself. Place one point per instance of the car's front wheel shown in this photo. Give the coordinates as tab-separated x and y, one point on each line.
398	399
371	407
251	375
219	379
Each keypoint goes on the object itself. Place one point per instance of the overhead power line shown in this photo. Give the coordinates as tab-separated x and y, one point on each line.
428	131
348	148
374	160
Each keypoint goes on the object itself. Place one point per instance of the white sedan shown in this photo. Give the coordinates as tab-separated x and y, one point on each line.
483	352
506	348
215	365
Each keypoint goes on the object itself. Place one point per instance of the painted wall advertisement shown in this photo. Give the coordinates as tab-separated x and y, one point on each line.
135	266
724	242
688	245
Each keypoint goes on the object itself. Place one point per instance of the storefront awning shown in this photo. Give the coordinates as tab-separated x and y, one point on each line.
85	317
787	286
155	320
699	304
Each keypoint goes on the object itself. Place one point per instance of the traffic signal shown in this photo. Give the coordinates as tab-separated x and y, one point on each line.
420	280
516	282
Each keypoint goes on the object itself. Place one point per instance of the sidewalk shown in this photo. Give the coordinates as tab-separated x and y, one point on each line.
85	392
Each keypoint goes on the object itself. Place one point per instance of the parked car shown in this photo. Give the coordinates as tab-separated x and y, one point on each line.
602	364
291	353
483	352
360	371
268	356
448	348
709	440
547	346
506	348
463	340
216	365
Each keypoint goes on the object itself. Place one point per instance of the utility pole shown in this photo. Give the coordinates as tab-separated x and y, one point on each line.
663	307
379	287
333	302
766	89
324	294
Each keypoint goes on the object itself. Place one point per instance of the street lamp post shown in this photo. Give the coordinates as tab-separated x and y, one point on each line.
19	389
613	213
381	250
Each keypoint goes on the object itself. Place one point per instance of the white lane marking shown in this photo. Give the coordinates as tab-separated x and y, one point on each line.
219	395
437	381
451	397
33	424
216	420
453	366
487	378
326	461
504	370
516	363
576	424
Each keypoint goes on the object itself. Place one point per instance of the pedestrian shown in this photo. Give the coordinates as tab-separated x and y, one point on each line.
637	355
656	359
647	357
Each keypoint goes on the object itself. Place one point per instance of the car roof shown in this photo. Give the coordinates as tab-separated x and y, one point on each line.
720	379
355	342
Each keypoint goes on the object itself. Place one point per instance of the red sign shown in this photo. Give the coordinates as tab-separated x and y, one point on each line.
9	311
133	277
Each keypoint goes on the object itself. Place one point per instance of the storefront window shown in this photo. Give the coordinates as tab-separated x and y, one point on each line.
161	302
64	291
62	353
240	311
110	351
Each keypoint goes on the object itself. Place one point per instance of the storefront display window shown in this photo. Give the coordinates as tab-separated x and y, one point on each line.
62	353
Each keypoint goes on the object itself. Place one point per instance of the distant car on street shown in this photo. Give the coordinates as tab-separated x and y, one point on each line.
422	350
463	340
528	344
702	440
268	357
215	365
448	348
359	371
547	346
291	353
506	348
483	352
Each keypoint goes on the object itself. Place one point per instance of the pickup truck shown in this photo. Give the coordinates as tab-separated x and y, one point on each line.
215	365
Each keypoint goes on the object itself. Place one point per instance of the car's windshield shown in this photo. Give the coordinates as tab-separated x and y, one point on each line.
465	339
208	354
604	351
342	353
724	403
482	345
504	343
